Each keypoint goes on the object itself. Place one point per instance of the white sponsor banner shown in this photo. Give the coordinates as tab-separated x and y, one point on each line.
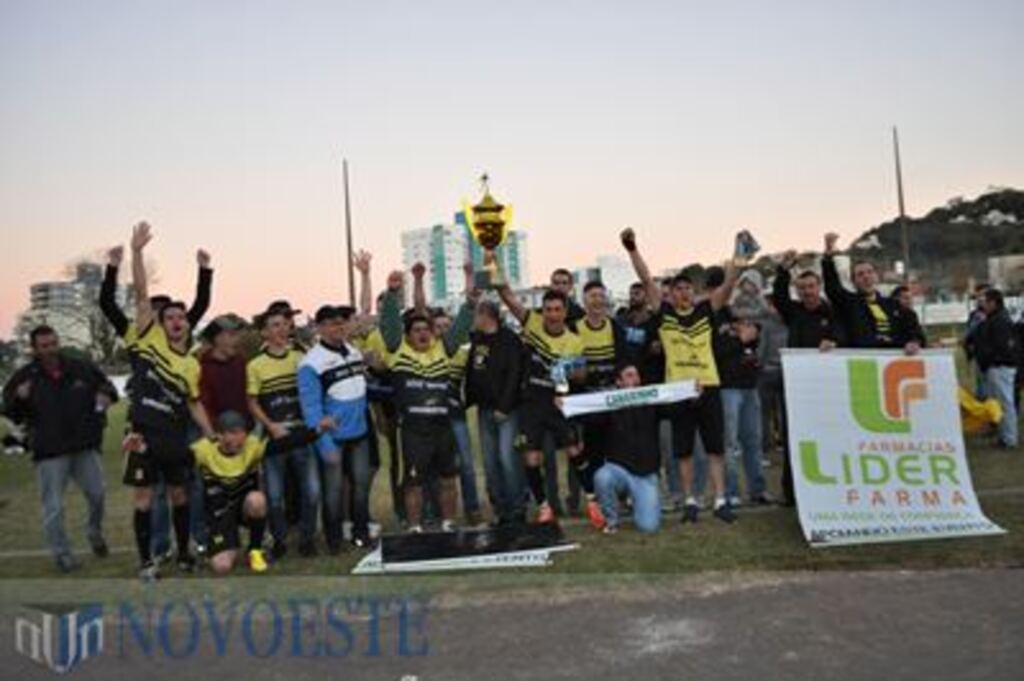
612	400
877	450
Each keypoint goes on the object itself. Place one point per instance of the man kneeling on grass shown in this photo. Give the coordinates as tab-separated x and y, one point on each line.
631	461
230	468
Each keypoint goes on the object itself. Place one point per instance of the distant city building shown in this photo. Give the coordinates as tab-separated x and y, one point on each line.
71	308
444	248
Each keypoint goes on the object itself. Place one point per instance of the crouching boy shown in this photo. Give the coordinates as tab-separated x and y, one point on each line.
631	461
230	466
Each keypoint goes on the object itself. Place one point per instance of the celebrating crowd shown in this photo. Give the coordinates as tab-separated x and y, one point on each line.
218	442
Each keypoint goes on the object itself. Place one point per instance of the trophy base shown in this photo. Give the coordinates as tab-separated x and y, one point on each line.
488	280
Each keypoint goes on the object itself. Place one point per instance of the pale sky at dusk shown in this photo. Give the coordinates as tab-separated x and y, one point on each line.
223	124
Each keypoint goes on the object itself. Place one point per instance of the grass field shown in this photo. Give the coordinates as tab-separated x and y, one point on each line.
763	539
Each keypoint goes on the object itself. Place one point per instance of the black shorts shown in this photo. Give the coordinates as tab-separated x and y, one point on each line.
167	457
702	415
539	416
428	448
223	529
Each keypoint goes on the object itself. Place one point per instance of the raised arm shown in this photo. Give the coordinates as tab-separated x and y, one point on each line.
108	292
834	289
719	298
643	272
419	293
515	308
391	314
780	287
204	284
458	334
141	236
361	261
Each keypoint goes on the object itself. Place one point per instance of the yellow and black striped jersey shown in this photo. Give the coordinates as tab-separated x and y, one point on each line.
457	374
421	380
599	350
545	349
228	478
163	381
687	340
273	381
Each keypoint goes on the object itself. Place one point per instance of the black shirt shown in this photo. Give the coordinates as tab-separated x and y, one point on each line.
807	328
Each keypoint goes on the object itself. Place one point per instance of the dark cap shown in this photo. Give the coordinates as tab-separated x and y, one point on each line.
282	307
231	420
328	312
226	322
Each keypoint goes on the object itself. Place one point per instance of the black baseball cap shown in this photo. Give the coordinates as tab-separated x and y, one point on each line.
282	307
328	312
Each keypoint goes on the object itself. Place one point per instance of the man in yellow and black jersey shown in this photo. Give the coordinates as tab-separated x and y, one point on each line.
603	343
273	398
686	329
420	368
230	468
553	360
164	398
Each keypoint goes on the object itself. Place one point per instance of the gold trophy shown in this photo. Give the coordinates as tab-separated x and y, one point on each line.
487	221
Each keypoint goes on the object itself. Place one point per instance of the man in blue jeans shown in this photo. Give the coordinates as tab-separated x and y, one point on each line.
998	354
631	461
332	394
273	394
493	382
63	403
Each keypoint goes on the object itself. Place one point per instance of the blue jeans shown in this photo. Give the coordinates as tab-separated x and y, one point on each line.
741	411
352	457
467	467
612	479
503	466
302	462
999	384
86	469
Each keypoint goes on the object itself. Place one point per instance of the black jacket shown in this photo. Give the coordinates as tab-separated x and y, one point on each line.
494	370
115	315
858	322
61	414
995	342
632	439
807	328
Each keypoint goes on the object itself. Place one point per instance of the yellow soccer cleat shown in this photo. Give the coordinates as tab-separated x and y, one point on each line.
257	562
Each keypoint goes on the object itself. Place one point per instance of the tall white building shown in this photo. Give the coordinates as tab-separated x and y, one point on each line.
444	248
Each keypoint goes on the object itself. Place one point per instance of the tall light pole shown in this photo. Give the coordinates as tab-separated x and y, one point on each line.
348	235
903	213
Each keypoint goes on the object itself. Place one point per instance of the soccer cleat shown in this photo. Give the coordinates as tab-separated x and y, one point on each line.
690	513
100	549
186	563
734	502
448	526
415	529
725	514
594	515
257	562
545	514
610	529
149	571
67	563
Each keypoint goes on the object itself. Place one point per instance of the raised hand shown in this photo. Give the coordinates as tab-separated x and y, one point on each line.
141	235
830	242
419	270
628	238
115	255
203	258
788	260
361	261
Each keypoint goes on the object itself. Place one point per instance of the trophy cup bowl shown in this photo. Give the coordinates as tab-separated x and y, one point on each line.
488	229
